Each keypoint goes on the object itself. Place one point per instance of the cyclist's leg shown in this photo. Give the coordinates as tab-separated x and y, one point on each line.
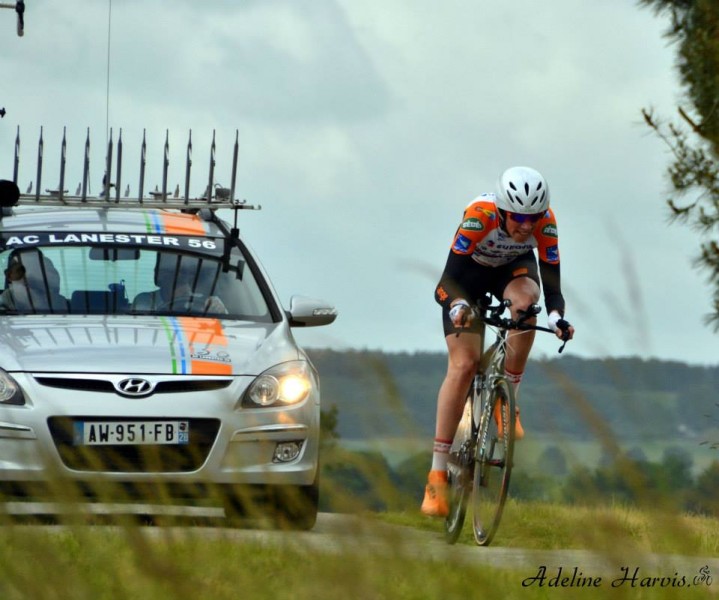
464	352
520	285
523	292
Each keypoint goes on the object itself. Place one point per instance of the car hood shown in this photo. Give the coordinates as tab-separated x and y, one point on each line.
142	345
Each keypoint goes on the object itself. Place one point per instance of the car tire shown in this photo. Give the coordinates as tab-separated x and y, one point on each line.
296	508
292	508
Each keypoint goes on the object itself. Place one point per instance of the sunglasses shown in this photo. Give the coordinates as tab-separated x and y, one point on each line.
522	218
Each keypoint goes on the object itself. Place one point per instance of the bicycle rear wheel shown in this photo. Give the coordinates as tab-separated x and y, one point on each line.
459	474
493	466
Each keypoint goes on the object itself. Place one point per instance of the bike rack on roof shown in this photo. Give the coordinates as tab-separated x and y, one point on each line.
215	196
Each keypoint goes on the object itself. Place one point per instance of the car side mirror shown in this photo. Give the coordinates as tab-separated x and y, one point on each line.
310	312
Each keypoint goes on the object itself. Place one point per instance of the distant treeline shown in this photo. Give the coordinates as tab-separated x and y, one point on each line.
380	394
366	480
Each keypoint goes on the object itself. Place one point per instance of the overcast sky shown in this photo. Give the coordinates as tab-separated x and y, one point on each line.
367	126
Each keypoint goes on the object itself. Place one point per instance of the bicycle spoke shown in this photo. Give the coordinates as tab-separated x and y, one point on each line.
459	475
493	462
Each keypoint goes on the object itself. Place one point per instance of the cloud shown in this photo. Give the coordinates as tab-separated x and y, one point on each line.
366	127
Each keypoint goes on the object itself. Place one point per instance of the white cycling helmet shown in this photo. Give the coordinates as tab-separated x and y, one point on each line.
522	190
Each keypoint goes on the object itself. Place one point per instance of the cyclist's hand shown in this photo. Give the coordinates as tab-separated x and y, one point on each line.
561	328
461	313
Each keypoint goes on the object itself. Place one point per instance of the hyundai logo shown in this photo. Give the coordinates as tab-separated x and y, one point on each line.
134	386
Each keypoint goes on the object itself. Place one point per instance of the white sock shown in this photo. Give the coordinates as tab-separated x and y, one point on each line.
514	379
440	454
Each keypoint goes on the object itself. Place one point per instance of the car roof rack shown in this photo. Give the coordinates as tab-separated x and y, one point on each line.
215	196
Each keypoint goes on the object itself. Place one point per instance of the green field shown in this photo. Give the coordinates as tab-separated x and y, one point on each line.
127	562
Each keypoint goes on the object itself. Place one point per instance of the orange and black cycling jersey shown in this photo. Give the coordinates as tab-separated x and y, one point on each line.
481	237
481	240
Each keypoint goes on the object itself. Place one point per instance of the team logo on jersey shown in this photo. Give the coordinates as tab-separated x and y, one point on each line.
550	230
485	211
473	224
462	243
552	253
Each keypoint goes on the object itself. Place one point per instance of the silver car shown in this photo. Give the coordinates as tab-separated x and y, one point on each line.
144	357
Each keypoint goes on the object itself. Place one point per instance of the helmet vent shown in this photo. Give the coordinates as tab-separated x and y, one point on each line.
512	186
526	188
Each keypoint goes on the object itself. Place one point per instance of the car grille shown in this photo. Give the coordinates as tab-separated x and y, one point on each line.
138	458
175	386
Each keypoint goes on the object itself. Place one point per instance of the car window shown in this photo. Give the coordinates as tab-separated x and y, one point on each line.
87	279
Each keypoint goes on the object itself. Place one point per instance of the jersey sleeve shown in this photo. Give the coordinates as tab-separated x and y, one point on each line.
548	239
477	221
548	251
453	283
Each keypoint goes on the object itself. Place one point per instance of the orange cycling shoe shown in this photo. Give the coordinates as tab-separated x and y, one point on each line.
518	429
435	495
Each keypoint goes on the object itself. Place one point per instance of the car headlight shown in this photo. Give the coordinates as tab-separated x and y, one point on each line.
288	383
10	392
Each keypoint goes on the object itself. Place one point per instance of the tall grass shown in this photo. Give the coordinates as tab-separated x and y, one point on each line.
359	559
547	526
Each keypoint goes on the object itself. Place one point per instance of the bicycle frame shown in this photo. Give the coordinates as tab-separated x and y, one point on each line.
482	451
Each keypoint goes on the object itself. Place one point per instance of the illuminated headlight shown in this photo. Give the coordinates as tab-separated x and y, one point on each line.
10	392
288	383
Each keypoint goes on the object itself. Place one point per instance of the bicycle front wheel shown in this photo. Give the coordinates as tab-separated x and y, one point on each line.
459	474
493	464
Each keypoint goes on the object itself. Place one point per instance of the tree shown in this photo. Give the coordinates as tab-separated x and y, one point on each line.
553	461
694	140
704	498
328	426
677	466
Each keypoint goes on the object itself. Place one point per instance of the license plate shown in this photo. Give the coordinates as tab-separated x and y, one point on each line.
124	433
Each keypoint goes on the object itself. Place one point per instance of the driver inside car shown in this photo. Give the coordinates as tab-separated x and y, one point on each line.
185	284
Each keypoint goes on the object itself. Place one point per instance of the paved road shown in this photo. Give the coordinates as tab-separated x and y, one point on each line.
339	533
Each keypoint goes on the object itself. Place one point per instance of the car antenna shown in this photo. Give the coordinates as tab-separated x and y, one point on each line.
19	7
235	231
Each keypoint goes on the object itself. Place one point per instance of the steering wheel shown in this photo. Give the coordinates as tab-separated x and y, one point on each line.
178	302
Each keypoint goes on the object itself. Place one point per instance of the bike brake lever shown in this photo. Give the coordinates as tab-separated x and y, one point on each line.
565	339
524	315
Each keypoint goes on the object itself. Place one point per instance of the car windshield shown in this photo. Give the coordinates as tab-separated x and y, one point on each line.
140	280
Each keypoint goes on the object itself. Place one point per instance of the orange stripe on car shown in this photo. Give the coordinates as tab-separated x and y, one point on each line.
207	367
207	342
183	224
203	331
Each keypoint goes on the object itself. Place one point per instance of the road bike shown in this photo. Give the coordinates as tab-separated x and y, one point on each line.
480	458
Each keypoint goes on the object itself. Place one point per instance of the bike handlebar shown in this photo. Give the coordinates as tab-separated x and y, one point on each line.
492	315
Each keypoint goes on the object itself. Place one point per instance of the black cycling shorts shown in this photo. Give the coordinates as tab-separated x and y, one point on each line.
482	280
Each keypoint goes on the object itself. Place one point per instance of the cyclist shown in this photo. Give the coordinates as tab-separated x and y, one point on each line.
493	252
